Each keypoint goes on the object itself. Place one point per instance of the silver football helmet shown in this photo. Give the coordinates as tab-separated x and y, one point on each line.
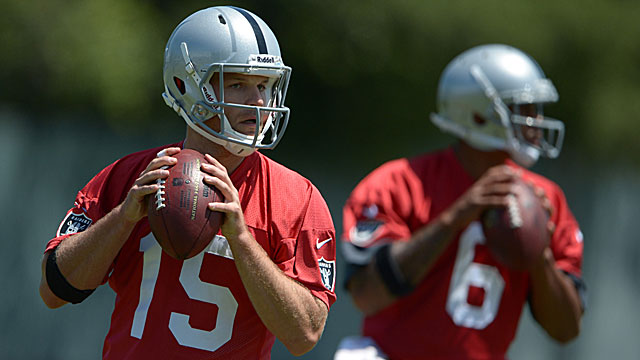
480	94
225	39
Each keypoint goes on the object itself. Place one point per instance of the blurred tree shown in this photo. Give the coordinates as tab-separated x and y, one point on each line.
365	72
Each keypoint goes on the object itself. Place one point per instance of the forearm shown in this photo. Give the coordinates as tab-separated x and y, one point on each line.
287	308
85	258
417	256
554	300
414	259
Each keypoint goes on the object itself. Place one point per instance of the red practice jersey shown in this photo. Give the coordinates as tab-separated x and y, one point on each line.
198	308
468	306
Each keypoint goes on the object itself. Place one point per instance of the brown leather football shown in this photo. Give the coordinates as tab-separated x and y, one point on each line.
178	214
517	235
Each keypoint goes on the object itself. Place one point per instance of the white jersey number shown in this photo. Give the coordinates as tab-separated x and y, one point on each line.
196	289
466	273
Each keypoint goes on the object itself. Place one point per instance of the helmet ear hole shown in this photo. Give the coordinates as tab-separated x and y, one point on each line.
479	120
180	84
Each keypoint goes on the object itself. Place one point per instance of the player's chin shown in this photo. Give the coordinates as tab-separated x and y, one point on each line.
247	127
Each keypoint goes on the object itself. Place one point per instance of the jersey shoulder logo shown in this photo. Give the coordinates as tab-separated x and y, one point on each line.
364	232
327	272
74	223
366	229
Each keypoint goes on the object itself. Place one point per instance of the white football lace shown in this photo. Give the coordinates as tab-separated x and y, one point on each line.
160	193
514	211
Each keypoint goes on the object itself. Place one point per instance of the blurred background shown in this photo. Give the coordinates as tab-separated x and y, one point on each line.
80	85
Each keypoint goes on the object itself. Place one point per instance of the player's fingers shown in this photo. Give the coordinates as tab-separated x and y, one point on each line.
494	176
227	208
544	200
551	227
148	183
160	162
214	169
217	171
539	192
496	200
213	161
140	191
502	171
151	176
500	189
170	151
228	191
163	158
546	204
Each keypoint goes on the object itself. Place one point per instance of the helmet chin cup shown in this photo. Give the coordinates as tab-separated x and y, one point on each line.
522	154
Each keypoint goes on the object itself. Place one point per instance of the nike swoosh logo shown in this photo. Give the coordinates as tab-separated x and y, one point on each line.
320	244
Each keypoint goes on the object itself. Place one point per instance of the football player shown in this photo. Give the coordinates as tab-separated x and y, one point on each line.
224	75
419	269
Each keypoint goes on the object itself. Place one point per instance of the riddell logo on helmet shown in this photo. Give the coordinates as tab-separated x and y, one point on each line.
265	59
207	95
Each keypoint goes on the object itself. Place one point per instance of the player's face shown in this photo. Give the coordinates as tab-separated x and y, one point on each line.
245	90
530	134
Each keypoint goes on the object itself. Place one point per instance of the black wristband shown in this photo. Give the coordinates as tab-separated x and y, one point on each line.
60	286
581	287
390	272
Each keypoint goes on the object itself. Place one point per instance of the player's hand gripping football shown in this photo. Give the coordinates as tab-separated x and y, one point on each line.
546	204
490	190
134	206
216	174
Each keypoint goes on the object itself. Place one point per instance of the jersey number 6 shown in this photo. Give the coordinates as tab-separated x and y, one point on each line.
466	273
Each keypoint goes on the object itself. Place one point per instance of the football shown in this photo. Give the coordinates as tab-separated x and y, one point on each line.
517	235
178	214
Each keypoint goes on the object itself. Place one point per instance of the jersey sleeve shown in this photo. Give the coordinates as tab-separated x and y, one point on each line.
86	210
567	240
314	261
102	193
377	212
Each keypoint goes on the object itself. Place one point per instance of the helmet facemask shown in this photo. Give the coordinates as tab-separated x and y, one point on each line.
543	133
271	119
525	137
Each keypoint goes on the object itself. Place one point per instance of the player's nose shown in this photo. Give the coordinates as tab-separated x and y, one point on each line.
255	96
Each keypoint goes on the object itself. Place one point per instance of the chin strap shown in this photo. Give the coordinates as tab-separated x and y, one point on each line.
189	68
